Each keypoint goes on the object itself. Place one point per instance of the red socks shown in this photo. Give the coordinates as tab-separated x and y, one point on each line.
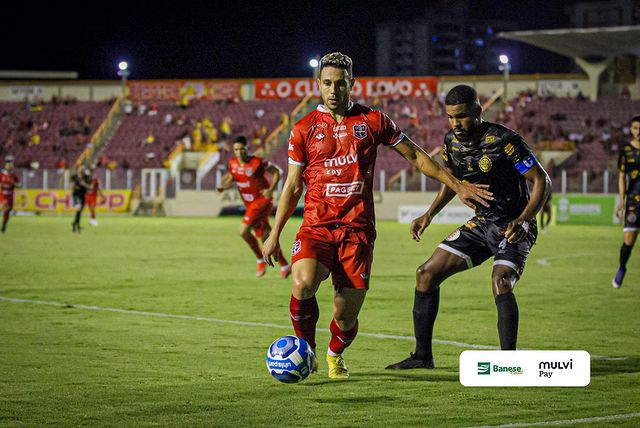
340	340
304	317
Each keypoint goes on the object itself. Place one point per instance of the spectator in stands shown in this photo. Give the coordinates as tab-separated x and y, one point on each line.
128	107
168	119
259	113
153	110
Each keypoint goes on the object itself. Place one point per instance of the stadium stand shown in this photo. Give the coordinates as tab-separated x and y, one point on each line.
46	135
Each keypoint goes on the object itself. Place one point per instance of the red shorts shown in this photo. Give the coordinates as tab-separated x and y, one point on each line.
257	215
91	199
6	201
346	252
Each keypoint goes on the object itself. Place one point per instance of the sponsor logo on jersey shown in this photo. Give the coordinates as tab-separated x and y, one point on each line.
453	235
290	147
631	218
360	130
242	184
341	161
508	149
320	136
249	172
485	163
490	139
364	276
343	190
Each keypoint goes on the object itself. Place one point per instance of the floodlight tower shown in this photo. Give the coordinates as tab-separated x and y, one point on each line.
505	66
123	72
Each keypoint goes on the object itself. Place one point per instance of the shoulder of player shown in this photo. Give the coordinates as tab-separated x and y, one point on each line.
495	132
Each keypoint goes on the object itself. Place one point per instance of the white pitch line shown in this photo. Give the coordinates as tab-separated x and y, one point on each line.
567	421
544	261
252	324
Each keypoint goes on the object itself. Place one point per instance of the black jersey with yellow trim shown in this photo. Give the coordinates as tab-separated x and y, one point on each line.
629	164
496	156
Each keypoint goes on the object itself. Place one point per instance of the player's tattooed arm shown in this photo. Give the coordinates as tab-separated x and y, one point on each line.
468	193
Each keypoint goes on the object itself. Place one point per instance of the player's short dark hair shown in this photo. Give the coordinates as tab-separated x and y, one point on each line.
635	118
461	94
240	139
337	60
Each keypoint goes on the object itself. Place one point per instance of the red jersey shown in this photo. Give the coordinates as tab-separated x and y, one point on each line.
8	181
95	187
250	178
339	161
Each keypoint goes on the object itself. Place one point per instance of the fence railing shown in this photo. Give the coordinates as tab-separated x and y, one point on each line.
403	181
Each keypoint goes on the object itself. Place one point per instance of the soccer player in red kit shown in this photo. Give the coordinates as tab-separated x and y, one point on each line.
333	151
9	181
92	199
248	172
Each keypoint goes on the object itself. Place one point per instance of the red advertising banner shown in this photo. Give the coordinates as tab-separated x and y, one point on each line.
175	89
274	89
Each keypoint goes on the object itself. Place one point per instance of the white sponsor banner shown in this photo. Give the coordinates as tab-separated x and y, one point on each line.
525	368
455	214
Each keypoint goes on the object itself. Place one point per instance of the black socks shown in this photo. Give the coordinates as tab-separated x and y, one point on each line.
425	311
507	321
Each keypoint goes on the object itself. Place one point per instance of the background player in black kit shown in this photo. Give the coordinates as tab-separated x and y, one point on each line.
81	182
629	189
481	153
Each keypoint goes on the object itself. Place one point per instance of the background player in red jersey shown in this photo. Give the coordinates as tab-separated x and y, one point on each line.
333	151
91	198
248	172
9	181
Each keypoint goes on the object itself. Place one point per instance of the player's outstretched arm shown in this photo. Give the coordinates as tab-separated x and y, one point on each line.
419	224
276	172
291	192
467	192
517	229
225	182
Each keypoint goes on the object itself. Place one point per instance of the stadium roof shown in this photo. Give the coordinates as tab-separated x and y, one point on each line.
592	48
586	43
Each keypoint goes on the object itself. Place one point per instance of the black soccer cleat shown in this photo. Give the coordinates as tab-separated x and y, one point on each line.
412	363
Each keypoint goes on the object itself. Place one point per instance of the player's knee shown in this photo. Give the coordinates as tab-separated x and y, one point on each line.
504	282
426	277
303	287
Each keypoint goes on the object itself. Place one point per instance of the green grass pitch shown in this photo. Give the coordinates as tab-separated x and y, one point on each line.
132	324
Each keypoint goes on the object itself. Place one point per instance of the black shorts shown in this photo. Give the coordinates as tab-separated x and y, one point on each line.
479	239
632	218
78	201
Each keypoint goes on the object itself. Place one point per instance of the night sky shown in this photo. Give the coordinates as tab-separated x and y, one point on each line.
232	39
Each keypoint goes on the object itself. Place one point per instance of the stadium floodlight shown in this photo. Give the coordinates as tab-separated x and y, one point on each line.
123	72
505	67
313	63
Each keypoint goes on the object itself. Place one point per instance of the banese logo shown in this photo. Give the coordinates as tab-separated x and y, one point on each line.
525	368
484	368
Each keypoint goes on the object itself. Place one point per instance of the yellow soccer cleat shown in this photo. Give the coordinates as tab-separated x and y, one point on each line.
337	367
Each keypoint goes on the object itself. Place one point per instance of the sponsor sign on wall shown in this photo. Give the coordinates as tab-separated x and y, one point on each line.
116	201
175	89
274	89
453	214
585	209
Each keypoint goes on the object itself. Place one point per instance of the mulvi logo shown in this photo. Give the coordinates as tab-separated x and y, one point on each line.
485	368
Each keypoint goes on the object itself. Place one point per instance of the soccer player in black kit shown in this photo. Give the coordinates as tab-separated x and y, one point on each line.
629	189
481	153
81	182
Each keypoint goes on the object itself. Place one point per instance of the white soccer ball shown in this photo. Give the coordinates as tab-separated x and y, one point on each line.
290	359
